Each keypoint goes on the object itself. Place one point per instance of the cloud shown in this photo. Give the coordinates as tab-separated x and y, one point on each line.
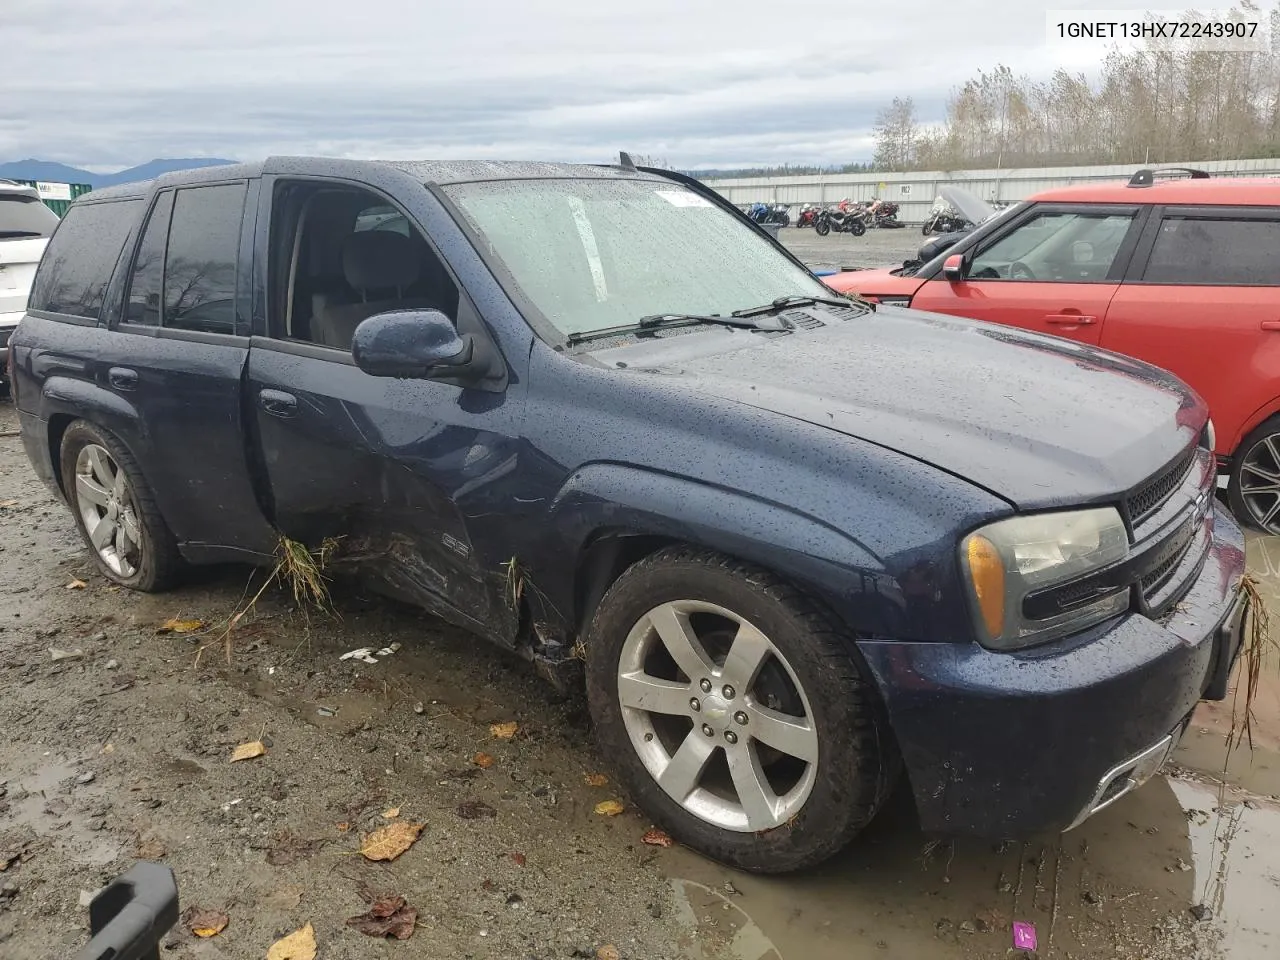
107	82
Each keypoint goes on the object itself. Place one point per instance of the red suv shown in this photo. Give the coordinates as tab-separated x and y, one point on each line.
1181	271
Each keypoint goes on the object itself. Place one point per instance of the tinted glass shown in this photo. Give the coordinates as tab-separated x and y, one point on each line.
144	284
1226	252
22	218
77	266
200	266
1062	247
592	254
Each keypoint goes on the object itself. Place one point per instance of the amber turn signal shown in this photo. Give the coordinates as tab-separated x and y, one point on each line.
986	569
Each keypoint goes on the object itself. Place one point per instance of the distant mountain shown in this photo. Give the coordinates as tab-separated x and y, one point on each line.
61	173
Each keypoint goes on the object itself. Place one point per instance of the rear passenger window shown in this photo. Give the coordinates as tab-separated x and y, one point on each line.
81	257
200	262
148	267
1222	252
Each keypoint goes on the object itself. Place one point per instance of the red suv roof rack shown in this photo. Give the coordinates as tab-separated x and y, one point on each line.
1146	177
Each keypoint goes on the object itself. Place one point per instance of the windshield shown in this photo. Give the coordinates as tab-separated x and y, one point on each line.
23	217
594	254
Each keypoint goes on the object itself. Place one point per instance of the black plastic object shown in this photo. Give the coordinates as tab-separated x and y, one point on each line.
1145	178
130	916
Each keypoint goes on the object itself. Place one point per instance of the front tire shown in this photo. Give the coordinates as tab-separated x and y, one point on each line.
735	713
822	227
115	510
1253	487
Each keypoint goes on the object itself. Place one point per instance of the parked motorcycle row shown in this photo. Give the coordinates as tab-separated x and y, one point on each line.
844	217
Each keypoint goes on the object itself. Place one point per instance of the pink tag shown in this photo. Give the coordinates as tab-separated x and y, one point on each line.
1024	935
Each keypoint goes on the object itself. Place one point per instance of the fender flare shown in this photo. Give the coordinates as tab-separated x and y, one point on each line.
66	399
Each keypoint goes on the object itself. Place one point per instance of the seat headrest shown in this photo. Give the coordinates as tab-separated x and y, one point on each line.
379	260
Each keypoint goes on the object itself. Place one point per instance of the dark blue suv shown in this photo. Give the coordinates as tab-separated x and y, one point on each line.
599	418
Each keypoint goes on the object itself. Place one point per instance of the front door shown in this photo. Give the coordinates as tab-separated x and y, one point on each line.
1054	270
395	474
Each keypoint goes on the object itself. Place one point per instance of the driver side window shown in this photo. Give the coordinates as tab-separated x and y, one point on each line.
1056	247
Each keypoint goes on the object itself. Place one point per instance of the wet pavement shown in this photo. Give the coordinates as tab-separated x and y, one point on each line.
121	752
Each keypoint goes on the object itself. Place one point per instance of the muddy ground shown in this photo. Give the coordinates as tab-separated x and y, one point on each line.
123	751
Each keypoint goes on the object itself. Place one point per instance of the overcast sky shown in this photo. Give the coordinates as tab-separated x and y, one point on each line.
110	83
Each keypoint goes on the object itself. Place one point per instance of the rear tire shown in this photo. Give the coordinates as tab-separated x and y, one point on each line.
693	642
115	510
1253	487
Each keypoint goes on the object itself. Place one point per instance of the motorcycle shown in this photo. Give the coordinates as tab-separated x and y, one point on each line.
850	220
943	218
884	214
764	213
808	215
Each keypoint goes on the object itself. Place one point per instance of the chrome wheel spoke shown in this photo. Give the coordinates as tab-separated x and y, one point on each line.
1271	513
103	533
89	490
684	770
681	642
130	525
1260	472
793	736
749	651
754	793
639	691
102	471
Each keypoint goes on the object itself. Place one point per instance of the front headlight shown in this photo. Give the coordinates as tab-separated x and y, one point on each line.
1209	436
1007	561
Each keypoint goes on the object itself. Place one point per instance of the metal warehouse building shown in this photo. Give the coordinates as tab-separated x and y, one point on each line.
915	191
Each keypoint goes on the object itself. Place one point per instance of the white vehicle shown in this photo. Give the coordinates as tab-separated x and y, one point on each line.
25	227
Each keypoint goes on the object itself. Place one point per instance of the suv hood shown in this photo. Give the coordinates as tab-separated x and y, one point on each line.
974	209
1035	420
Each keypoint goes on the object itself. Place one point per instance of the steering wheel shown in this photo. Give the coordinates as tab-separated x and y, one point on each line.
1020	271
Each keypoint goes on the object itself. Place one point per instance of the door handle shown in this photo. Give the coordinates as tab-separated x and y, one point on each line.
122	378
1070	319
1270	325
278	403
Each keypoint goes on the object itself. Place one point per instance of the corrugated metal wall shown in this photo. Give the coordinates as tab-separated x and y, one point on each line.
915	191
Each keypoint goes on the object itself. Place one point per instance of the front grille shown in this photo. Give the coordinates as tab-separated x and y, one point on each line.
1154	579
1149	498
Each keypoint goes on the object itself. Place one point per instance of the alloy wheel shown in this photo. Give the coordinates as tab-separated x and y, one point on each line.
107	509
717	716
1260	482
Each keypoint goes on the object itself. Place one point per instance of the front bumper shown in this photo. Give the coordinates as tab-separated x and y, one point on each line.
1007	745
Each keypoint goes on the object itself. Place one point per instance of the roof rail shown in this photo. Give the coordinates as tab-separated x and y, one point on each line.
1147	177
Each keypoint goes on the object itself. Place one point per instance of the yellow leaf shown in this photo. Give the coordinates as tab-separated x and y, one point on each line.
178	625
76	585
206	923
299	945
504	731
609	808
392	813
608	952
482	760
596	780
247	751
387	843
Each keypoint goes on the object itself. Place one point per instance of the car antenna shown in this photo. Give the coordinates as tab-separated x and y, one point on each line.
625	161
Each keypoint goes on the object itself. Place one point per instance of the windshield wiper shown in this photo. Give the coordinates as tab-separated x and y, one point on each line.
797	301
667	321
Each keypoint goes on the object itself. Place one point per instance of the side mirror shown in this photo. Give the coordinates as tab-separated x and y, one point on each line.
953	268
410	344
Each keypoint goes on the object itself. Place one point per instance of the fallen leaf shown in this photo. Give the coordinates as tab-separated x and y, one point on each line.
288	848
247	751
608	952
205	923
609	808
343	827
482	760
76	585
151	850
657	838
391	814
178	625
108	748
596	780
504	731
386	917
475	809
283	898
299	945
8	503
387	843
519	859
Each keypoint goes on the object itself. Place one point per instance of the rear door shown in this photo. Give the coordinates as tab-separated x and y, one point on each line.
1053	269
1202	299
178	356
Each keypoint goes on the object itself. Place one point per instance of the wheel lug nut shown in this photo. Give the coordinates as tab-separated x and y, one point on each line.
728	692
706	686
740	718
694	704
731	736
707	730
